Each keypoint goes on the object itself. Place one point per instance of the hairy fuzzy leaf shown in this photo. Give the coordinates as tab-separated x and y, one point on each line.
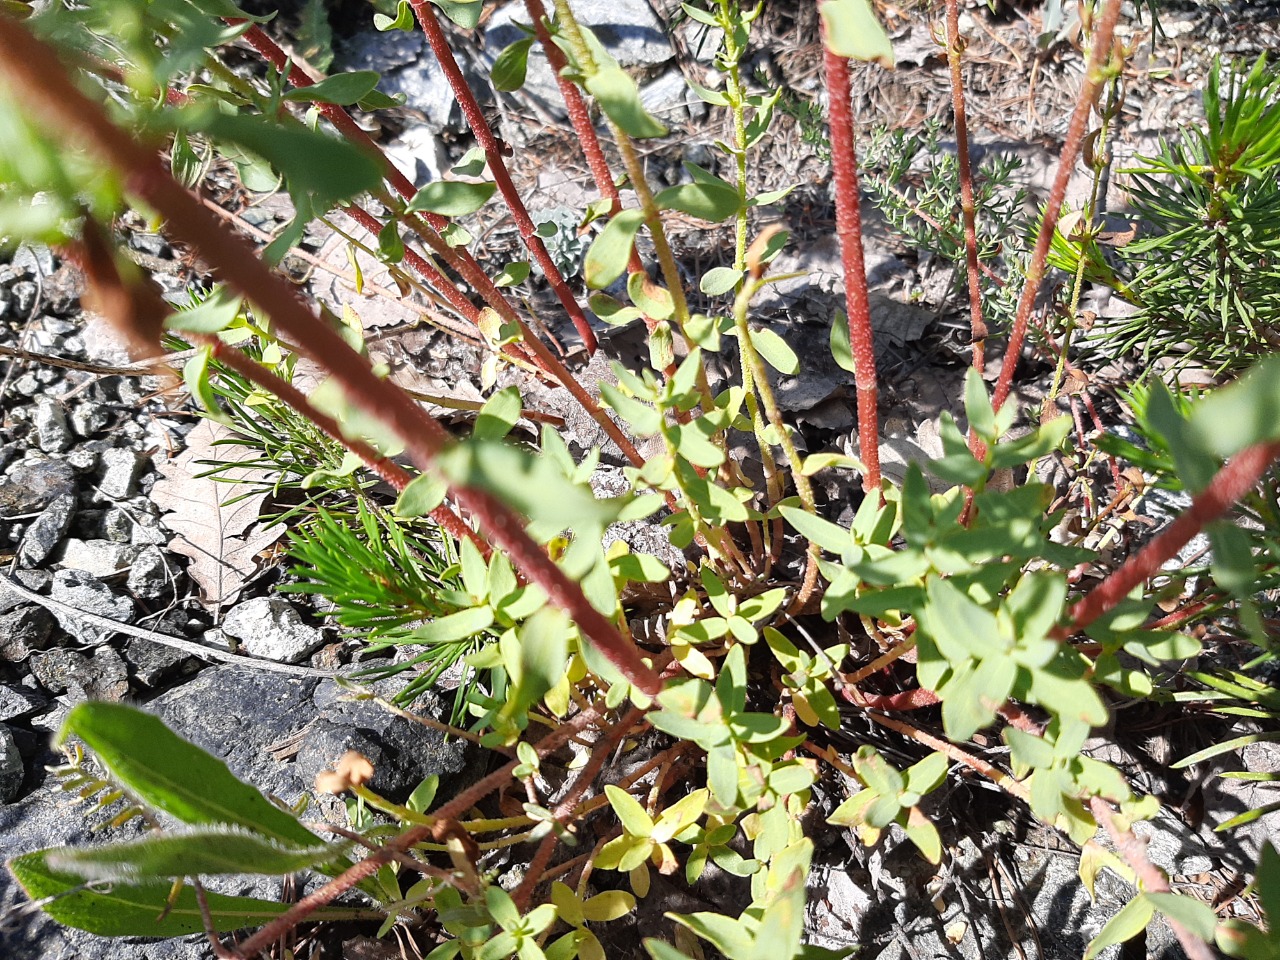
171	774
200	852
141	910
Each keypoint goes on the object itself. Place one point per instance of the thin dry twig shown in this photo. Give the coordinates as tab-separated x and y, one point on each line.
186	646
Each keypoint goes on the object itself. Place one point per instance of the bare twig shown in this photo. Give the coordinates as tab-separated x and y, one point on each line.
186	646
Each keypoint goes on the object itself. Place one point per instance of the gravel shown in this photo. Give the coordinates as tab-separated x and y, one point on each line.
85	592
272	628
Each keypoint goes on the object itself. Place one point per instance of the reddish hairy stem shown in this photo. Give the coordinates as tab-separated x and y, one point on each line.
600	752
1233	481
426	15
576	106
457	257
371	864
388	470
1089	88
31	70
1134	850
968	208
580	117
844	159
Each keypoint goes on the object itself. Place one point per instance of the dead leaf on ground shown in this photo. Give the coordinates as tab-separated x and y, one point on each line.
222	539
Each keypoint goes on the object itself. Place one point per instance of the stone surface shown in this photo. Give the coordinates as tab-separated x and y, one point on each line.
12	769
50	421
402	752
153	664
119	480
88	418
236	714
99	558
407	67
84	592
25	630
47	530
150	576
36	580
32	485
16	702
272	628
103	676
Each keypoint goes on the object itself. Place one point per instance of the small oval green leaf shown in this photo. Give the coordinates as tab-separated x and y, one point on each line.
451	198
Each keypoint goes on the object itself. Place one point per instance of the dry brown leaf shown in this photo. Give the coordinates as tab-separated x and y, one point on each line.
222	540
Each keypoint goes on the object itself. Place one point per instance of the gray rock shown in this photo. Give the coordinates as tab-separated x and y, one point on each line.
24	297
419	153
153	664
83	459
119	474
150	576
27	385
407	67
103	676
25	630
100	558
36	580
84	592
117	525
52	433
16	702
236	714
402	752
33	484
88	418
272	628
12	770
47	530
670	99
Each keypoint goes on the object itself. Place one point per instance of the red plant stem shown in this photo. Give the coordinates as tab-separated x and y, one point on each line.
388	470
1134	850
916	699
426	15
31	71
601	750
1098	57
414	835
458	257
844	157
434	278
576	106
1240	475
968	208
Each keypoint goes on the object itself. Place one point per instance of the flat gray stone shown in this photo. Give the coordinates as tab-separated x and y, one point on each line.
17	702
85	592
32	485
53	435
103	676
46	531
99	558
119	480
25	630
149	575
272	628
